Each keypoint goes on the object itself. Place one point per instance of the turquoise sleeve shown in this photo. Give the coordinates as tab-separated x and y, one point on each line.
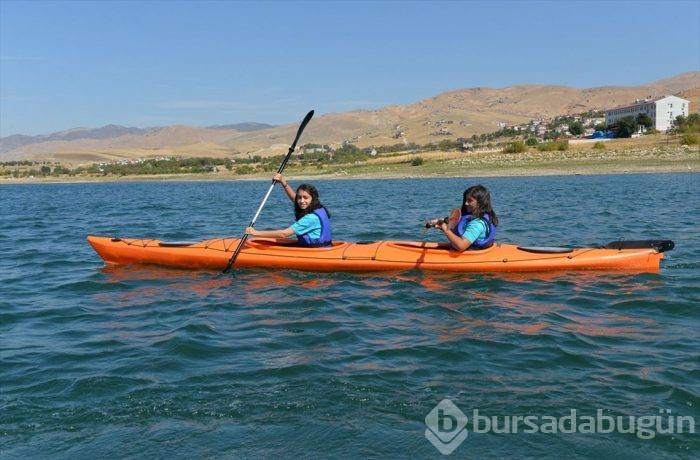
309	224
475	229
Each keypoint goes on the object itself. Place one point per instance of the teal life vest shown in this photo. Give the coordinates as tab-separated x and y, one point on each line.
325	239
480	243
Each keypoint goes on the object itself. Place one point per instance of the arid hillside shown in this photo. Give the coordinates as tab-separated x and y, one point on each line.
457	113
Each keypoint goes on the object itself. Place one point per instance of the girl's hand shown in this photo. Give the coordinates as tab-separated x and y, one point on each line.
250	231
278	178
435	223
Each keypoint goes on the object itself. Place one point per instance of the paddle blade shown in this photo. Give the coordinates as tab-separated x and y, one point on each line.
453	220
658	245
303	124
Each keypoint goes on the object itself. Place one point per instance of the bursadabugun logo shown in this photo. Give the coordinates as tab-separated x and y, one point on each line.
446	426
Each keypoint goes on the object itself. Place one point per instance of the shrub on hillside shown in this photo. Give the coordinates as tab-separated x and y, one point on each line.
245	169
515	147
690	139
417	161
447	145
599	145
552	146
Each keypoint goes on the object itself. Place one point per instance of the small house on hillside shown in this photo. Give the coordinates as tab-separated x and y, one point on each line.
466	144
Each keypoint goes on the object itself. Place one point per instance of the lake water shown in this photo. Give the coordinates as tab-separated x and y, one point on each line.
148	362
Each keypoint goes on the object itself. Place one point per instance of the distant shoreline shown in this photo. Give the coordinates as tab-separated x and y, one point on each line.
676	159
496	172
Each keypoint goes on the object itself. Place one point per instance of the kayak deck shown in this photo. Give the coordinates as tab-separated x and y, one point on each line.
375	255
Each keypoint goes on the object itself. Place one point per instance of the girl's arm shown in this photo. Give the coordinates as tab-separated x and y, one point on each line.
285	233
290	191
458	242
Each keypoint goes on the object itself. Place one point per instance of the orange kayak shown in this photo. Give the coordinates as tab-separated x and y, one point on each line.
380	255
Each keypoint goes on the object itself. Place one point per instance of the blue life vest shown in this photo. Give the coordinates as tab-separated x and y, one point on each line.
325	239
480	243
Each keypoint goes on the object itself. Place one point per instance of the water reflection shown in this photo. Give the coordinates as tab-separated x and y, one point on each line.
293	321
608	325
515	302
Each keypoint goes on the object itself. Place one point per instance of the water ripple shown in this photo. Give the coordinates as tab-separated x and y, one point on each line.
148	361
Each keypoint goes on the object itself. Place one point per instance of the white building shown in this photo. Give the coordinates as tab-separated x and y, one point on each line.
662	110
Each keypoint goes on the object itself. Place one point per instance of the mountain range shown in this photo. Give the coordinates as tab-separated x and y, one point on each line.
460	113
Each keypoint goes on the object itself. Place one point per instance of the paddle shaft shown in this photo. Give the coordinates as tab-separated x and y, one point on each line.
233	258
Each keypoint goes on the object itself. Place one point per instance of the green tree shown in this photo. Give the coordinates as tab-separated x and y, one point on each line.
576	128
348	149
688	124
446	145
550	135
532	141
645	120
626	126
679	121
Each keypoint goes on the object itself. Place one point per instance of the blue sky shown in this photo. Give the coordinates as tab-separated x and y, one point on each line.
135	63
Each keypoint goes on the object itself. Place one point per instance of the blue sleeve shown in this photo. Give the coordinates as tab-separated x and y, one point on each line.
475	229
310	224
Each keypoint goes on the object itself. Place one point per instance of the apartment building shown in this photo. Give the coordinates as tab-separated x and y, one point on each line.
663	110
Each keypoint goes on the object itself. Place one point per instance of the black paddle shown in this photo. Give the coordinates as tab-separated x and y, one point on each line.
306	120
659	245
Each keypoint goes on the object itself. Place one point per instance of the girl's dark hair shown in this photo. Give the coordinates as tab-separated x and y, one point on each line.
315	202
483	202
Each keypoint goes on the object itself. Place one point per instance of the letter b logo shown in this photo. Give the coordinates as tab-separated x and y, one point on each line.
446	423
446	426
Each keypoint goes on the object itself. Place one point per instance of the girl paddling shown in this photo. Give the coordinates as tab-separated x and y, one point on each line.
312	227
476	228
